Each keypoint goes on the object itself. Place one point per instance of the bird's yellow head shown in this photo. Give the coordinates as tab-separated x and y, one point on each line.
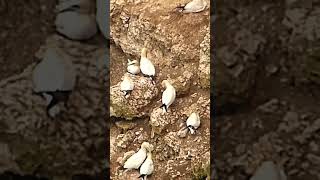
165	83
144	52
145	145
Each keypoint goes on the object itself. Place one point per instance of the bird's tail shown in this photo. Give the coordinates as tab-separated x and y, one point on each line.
165	109
179	7
143	176
153	79
126	94
192	130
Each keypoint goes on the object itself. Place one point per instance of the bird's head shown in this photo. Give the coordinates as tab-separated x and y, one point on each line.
165	83
133	62
144	52
145	145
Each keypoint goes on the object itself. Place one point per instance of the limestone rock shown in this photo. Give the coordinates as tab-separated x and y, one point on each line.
204	64
159	120
133	26
182	83
183	132
136	105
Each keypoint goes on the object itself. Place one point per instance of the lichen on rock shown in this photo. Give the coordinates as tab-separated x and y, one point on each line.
136	105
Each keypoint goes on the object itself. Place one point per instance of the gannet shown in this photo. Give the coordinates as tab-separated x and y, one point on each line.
54	79
102	17
146	66
135	161
194	6
267	171
168	95
126	85
147	167
76	20
133	67
193	122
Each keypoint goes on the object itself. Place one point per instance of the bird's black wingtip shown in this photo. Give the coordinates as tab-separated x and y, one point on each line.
165	107
141	176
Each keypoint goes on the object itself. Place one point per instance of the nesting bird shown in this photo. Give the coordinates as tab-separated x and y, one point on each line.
168	95
193	122
135	161
194	6
76	19
147	167
54	79
127	85
146	66
102	16
268	170
133	67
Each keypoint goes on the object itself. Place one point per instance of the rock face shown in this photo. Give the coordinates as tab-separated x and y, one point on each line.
179	48
135	24
204	64
136	105
34	138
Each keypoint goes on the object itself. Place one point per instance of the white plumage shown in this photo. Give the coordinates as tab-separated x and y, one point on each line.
54	73
135	161
54	77
146	66
195	6
147	167
76	19
126	85
102	17
168	95
267	171
76	26
193	122
133	67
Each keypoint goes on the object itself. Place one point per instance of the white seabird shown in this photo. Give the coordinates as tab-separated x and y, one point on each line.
102	16
76	20
194	6
168	95
54	79
146	66
133	67
193	122
127	85
267	171
135	161
147	167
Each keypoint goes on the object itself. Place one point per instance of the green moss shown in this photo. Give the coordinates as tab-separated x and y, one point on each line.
122	111
201	172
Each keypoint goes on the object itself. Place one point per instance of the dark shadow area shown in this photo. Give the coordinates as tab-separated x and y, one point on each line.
266	78
68	139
